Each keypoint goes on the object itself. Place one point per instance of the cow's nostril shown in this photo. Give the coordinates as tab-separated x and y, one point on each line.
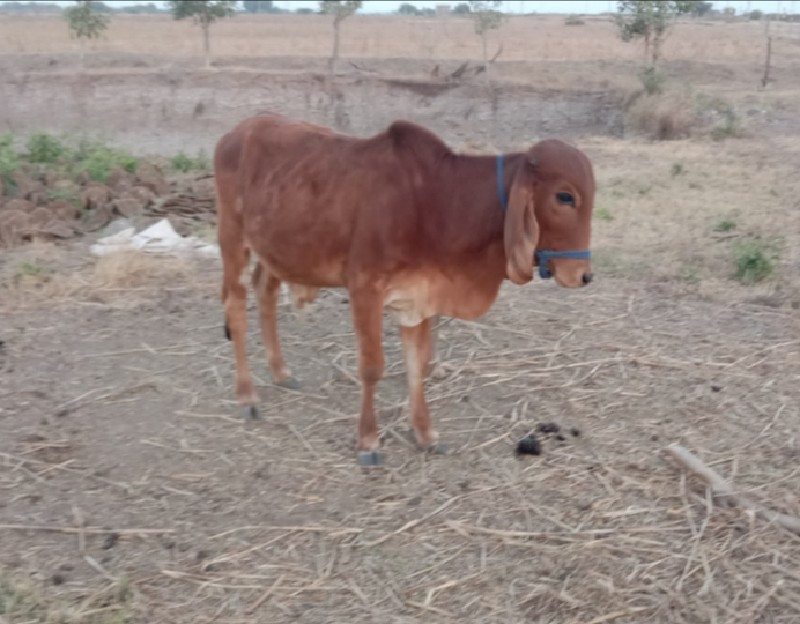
587	278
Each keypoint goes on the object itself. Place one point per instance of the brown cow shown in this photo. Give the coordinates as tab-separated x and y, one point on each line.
400	221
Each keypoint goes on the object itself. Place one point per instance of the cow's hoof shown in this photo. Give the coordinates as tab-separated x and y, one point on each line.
250	412
290	383
438	449
369	458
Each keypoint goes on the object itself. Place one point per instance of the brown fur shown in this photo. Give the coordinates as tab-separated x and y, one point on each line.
400	221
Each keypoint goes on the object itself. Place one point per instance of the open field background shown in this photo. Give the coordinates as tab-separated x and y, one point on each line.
532	38
144	70
129	490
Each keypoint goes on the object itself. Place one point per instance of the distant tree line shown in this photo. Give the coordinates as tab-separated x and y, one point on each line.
409	9
140	9
29	7
96	7
260	6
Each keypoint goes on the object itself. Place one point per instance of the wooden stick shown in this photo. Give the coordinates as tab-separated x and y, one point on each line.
767	56
721	488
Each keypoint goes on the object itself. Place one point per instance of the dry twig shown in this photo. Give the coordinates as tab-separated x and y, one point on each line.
724	490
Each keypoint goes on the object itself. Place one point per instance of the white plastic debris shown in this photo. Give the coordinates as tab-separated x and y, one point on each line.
160	237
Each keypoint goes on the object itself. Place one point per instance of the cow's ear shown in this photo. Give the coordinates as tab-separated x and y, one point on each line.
521	232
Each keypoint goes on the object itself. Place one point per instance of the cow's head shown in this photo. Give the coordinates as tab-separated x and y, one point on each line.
549	218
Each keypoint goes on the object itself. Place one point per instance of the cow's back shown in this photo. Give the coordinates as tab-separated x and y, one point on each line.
301	189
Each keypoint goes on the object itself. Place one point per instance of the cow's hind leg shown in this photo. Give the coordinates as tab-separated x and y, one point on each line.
433	359
268	288
235	260
417	350
367	310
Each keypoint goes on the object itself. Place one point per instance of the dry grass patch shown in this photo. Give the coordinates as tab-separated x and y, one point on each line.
545	37
29	267
705	214
25	602
681	114
663	116
132	269
42	272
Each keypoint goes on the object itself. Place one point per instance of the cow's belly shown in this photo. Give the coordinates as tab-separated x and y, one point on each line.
319	272
313	253
413	298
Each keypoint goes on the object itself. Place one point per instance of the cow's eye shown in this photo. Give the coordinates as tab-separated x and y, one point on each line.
565	198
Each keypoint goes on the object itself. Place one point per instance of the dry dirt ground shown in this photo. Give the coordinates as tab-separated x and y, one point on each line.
131	492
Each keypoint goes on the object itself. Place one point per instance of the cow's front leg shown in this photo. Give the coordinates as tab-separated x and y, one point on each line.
417	346
367	310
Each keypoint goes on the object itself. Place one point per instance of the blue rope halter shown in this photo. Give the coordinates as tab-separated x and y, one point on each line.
501	193
543	256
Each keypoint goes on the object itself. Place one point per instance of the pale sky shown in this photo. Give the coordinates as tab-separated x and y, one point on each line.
548	6
516	6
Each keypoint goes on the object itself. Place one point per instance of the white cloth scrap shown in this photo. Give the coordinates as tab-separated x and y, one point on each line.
160	237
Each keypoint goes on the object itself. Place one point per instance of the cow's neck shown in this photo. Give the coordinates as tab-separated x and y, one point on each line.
474	198
469	235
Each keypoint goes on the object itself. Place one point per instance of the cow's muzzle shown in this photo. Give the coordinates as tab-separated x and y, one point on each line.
543	256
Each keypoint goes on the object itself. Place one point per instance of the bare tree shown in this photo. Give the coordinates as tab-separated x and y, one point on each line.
341	10
649	20
204	13
84	23
486	18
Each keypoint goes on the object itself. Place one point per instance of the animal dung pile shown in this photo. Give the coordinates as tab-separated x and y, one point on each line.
40	204
196	200
530	444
